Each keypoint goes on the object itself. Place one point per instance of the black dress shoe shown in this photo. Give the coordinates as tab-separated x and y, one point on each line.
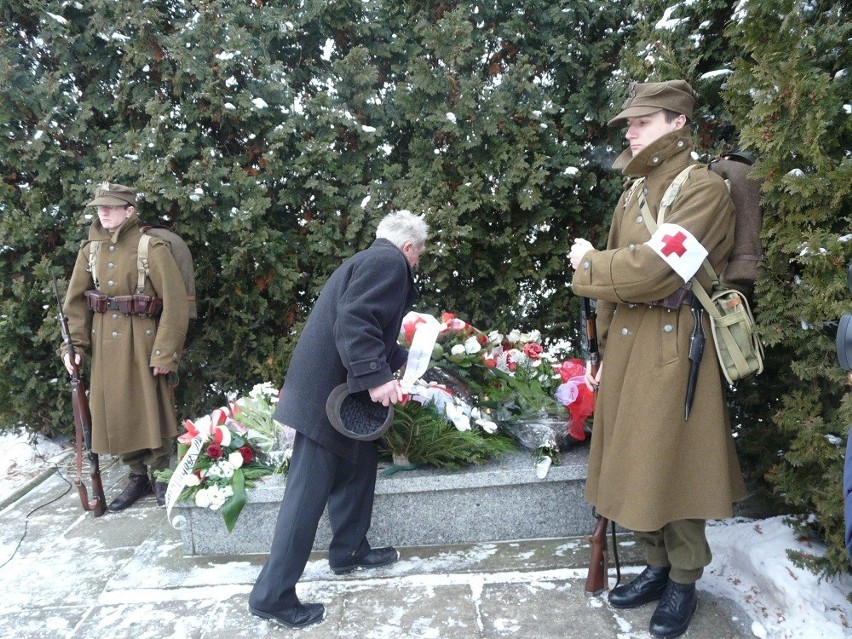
160	489
298	617
137	486
373	559
648	586
674	612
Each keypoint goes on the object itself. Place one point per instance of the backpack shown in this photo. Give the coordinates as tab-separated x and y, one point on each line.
745	263
179	250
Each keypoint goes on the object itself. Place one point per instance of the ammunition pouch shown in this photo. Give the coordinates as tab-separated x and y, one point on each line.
142	305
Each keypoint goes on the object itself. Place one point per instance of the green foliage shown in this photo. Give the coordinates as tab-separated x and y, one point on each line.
787	96
273	136
423	436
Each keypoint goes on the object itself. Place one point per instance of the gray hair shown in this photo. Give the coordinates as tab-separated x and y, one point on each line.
401	227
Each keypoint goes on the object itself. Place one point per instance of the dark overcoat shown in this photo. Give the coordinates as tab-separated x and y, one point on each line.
132	409
350	336
647	465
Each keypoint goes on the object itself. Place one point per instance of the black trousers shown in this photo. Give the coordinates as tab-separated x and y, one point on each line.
317	477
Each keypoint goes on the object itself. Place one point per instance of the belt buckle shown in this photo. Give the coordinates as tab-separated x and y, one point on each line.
111	304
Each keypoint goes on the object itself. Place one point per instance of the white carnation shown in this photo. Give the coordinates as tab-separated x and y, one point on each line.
202	498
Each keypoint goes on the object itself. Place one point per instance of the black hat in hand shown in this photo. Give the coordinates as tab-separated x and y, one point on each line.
357	416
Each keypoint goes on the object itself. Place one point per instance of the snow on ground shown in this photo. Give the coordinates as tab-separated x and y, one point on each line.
750	564
23	458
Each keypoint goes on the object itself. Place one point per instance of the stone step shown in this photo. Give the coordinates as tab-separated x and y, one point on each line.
500	501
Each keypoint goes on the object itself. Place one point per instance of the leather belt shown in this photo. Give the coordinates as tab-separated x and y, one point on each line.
683	296
142	305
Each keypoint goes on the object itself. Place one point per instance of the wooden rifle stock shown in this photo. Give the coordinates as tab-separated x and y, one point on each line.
597	578
83	428
82	424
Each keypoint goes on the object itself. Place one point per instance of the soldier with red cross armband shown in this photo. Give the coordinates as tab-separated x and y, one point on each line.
652	470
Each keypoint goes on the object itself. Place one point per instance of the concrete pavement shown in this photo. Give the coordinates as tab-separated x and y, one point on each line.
124	576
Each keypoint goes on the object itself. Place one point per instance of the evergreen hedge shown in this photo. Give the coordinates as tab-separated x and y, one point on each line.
273	136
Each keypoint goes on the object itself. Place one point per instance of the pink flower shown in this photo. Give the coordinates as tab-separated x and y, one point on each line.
572	368
533	351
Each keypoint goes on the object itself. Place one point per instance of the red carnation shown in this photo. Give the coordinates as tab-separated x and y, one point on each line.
214	451
247	453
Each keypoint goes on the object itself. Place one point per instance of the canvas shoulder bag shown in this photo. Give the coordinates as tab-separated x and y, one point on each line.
738	347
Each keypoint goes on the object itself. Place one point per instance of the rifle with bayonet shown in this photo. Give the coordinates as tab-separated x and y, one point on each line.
596	579
82	422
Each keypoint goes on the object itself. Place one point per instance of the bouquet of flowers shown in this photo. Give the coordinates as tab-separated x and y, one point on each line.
226	452
507	378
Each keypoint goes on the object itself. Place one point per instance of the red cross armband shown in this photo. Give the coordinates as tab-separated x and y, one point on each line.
679	249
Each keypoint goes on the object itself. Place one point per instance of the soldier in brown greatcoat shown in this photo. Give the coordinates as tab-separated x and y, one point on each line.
131	400
651	470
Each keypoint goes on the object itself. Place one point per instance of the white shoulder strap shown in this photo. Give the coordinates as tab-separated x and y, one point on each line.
93	260
671	193
633	186
142	262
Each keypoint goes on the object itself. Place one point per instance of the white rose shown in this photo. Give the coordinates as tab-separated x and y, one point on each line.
191	480
235	459
472	345
515	336
494	337
457	349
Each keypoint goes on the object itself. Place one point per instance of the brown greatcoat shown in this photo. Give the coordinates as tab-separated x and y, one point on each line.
647	466
132	409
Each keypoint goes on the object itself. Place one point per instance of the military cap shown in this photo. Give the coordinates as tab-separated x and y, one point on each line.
109	194
645	99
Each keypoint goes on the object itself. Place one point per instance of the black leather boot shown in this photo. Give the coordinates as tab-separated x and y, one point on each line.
674	612
648	586
137	486
160	489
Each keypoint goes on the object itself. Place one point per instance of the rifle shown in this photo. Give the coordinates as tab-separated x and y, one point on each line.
82	422
596	579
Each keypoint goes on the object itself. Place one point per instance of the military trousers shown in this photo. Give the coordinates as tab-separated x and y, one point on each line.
139	461
681	545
